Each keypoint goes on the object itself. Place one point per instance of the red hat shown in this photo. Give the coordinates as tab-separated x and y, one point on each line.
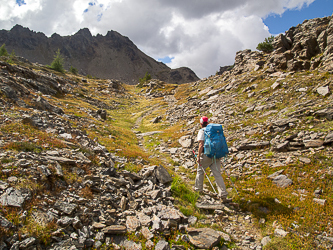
203	119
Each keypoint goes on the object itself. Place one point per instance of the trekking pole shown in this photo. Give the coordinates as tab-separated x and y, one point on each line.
203	171
229	175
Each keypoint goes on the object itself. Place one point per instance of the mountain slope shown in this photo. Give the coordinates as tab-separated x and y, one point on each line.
111	56
83	161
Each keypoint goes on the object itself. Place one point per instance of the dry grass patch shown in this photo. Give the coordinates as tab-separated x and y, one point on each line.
292	208
183	91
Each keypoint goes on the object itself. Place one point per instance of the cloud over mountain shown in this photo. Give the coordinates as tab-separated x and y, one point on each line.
202	35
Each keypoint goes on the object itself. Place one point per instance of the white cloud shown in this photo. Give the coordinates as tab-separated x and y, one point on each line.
202	35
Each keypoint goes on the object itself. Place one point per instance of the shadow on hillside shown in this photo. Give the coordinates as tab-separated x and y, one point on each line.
262	207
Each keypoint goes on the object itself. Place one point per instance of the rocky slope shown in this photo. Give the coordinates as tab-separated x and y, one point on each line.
111	56
83	162
305	47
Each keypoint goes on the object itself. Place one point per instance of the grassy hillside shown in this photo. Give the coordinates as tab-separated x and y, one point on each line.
274	123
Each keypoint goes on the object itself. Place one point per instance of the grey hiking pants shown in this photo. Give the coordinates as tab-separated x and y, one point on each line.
216	170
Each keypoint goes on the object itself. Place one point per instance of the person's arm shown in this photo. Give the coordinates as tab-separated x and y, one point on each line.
200	151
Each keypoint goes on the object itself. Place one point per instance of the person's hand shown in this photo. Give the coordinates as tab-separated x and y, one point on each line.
198	159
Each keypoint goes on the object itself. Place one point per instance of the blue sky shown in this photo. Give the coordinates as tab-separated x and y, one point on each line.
291	17
200	34
280	23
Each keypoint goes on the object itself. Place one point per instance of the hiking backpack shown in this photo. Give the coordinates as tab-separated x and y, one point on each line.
215	143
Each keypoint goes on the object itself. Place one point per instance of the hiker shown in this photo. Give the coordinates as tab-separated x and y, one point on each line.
205	162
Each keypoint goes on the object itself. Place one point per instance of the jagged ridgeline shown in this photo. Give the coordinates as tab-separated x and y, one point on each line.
111	56
90	163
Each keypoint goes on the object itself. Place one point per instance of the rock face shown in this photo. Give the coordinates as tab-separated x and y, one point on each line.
111	56
307	46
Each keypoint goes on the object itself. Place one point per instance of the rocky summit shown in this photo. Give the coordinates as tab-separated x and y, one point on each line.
111	56
100	164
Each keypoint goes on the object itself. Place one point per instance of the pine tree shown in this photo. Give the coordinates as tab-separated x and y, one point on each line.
57	63
267	45
3	51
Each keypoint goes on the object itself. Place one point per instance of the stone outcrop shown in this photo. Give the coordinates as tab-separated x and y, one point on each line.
307	46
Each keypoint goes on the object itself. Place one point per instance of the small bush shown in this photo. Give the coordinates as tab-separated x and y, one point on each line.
73	70
267	45
23	146
57	63
145	79
3	50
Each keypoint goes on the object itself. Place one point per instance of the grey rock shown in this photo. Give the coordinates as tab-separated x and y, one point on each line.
65	221
162	245
27	243
265	240
43	104
304	160
162	175
115	229
253	145
131	245
132	223
249	109
192	220
5	223
284	122
60	159
214	92
329	138
146	233
44	170
123	203
156	119
325	113
58	169
97	244
280	233
98	226
12	197
204	238
77	223
185	141
65	207
282	181
169	213
150	244
324	91
281	42
277	173
209	206
3	185
156	223
313	143
145	220
154	194
110	172
275	85
102	113
3	245
320	201
282	146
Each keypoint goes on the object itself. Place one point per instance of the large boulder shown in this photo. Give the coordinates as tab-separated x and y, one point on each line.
203	238
12	197
185	141
162	175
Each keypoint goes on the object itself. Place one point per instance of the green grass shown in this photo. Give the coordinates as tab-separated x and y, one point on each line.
187	198
23	146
